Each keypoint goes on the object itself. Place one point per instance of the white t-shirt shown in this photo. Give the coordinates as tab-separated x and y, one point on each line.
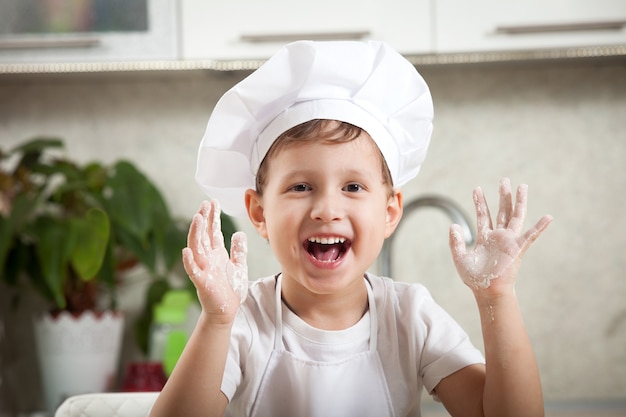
418	343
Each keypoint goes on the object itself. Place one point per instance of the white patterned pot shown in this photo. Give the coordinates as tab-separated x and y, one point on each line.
78	354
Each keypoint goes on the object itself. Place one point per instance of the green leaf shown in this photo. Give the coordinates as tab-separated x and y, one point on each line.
145	251
175	241
37	145
53	252
24	207
32	151
6	233
107	273
130	201
15	263
139	216
92	238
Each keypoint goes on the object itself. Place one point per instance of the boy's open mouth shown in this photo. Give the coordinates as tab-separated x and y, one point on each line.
327	249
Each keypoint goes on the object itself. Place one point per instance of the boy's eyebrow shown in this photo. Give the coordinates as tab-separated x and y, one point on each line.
357	172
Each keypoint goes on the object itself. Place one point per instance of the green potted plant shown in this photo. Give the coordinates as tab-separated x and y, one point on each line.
70	230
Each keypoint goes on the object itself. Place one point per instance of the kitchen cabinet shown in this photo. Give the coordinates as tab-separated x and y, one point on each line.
240	34
64	32
507	25
252	29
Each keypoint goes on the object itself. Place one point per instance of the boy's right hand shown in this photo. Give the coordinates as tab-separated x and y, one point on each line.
221	283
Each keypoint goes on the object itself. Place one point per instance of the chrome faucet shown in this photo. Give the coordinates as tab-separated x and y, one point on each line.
448	206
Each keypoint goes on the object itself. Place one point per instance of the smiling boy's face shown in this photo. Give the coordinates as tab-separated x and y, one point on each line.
326	211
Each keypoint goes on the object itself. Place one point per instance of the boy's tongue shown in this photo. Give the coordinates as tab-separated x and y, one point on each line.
325	252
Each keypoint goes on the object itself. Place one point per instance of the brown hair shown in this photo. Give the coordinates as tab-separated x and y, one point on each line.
324	130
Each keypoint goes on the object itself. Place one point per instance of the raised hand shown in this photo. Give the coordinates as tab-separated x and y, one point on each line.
496	256
221	283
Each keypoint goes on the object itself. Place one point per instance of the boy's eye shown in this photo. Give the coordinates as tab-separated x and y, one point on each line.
300	187
353	188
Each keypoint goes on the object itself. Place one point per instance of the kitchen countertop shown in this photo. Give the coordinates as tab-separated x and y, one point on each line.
554	409
583	413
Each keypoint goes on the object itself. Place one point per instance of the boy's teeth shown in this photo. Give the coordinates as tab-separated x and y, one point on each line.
327	240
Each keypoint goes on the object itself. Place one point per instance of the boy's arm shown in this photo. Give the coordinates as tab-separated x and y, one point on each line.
194	387
509	384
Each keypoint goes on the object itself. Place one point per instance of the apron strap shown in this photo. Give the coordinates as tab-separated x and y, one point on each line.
278	332
373	316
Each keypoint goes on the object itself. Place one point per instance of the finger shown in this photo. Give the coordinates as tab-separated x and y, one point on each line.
194	237
457	241
191	267
239	253
483	216
533	233
506	204
239	248
197	230
519	213
215	226
205	207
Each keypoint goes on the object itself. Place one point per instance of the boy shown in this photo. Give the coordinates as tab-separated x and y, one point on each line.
315	145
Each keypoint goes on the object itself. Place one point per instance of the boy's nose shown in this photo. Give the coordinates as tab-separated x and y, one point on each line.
327	207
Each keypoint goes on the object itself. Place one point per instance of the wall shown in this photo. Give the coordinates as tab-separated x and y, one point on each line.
559	127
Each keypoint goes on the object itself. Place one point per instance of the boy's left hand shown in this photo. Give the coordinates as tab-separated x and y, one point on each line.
495	259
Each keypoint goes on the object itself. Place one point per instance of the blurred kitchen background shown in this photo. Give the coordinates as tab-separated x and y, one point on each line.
532	90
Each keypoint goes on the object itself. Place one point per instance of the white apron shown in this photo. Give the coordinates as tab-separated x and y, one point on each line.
294	387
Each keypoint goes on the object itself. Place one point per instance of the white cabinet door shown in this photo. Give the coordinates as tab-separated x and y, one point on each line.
255	29
497	25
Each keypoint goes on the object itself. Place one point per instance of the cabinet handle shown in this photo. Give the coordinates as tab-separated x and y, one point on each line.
291	37
49	43
561	27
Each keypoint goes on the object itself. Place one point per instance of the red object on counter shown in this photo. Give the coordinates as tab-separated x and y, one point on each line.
144	377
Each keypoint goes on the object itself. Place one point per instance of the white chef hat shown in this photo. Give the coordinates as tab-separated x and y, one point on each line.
366	83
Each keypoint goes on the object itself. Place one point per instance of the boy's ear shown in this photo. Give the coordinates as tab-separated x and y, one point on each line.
394	212
254	207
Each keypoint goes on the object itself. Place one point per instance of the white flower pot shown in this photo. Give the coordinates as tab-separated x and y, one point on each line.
78	354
